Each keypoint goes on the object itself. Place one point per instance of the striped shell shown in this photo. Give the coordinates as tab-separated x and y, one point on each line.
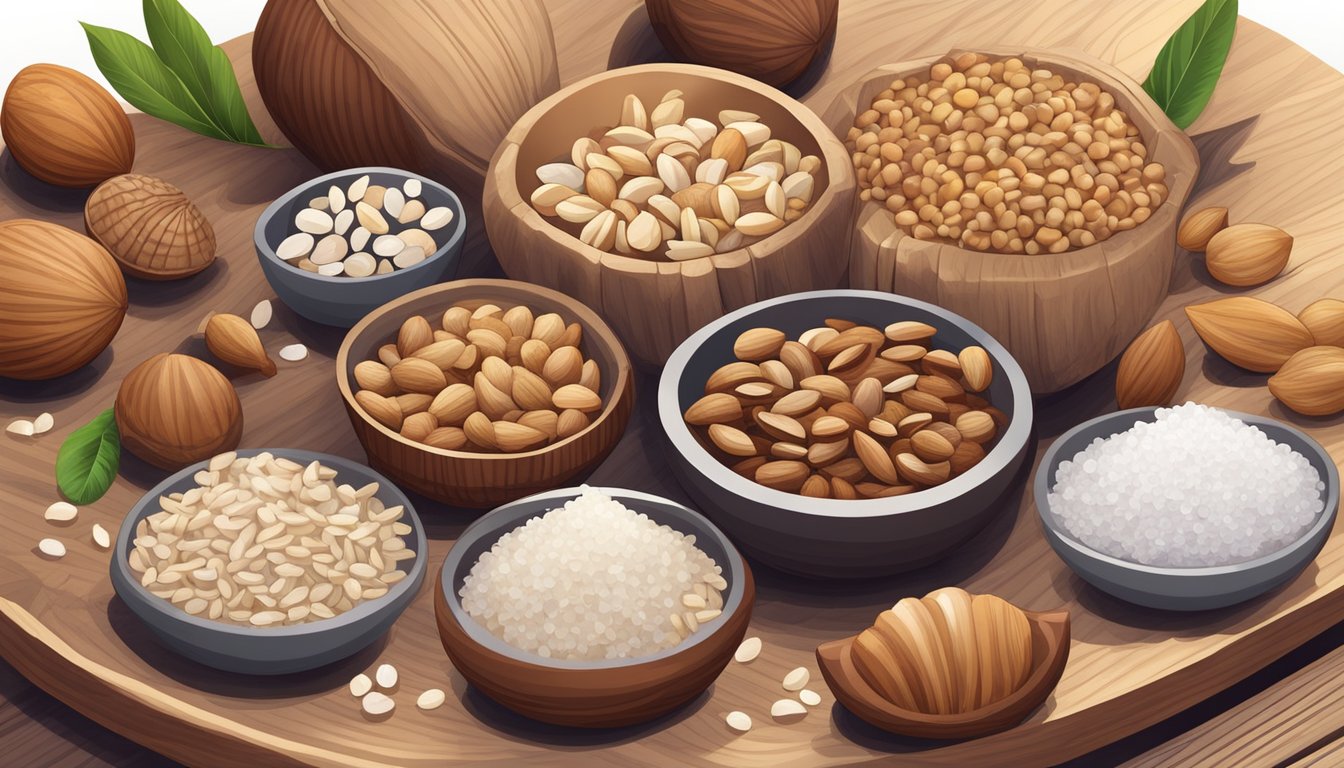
63	128
62	300
150	227
174	410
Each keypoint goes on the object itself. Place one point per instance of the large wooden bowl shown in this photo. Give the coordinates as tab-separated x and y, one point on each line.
1062	316
654	305
483	480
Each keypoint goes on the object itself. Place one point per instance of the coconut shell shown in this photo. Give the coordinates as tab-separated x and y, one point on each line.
149	227
62	300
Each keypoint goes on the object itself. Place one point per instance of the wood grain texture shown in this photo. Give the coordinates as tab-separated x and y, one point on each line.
1262	145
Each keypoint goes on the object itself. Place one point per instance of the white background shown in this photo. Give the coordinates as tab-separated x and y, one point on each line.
48	30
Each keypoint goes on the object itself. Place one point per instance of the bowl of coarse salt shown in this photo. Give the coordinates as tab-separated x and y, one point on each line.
1186	508
593	607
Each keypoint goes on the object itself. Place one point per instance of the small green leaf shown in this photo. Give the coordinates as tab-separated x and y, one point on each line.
146	82
88	460
205	70
1188	66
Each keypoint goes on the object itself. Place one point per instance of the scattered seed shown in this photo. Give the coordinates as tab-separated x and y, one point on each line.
61	512
748	650
21	427
360	684
43	423
51	548
809	697
386	676
787	708
101	537
293	352
797	679
378	704
261	314
739	721
431	699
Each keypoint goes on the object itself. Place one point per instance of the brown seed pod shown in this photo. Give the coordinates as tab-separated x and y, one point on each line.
64	128
151	228
174	410
234	340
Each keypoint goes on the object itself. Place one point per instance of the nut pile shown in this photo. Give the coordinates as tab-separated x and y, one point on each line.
995	156
486	380
848	411
364	229
660	184
266	541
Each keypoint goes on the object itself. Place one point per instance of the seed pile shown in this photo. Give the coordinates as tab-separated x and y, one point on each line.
1196	487
996	156
848	411
784	711
663	185
265	541
486	380
364	229
593	580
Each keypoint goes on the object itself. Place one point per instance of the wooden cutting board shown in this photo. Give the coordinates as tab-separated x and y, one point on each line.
1268	153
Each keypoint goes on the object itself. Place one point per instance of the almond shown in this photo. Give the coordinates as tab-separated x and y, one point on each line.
571	422
731	375
828	427
384	410
976	426
941	387
1199	228
977	369
544	420
1248	332
908	331
733	441
777	373
801	361
576	397
590	376
418	426
1248	254
783	475
564	366
529	390
414	334
924	402
447	438
758	344
731	147
781	427
514	438
714	408
831	388
441	353
499	372
519	319
493	401
548	328
821	454
967	455
867	397
930	446
1311	382
912	468
375	377
797	403
454	404
234	340
816	487
413	402
480	430
1151	369
850	357
1325	320
875	458
420	376
944	362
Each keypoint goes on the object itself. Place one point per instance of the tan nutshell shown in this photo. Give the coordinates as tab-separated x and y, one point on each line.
233	340
1151	368
1311	382
1244	255
1325	320
1248	332
64	128
151	228
1198	228
174	410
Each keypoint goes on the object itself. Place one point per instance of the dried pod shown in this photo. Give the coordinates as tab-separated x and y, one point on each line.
174	410
977	369
1248	332
1325	320
1151	369
1311	382
151	228
1244	255
1198	228
715	408
64	128
233	340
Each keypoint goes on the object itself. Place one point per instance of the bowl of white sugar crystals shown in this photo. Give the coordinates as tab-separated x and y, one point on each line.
1186	508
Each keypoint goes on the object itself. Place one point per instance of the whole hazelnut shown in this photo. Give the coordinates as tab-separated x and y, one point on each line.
174	410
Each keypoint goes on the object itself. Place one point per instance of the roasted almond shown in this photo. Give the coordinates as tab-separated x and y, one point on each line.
867	397
777	373
829	428
728	377
904	353
571	422
413	402
941	387
414	334
543	420
783	475
816	487
732	440
875	458
1199	227
421	376
418	426
375	377
454	404
1151	369
967	455
831	389
499	372
797	403
441	353
822	453
480	430
914	469
977	369
590	376
923	401
1311	382
515	438
384	410
930	446
781	427
849	357
792	451
563	366
447	438
758	344
907	331
1325	320
493	401
529	390
576	397
913	423
1244	255
714	408
976	426
747	467
1248	332
944	362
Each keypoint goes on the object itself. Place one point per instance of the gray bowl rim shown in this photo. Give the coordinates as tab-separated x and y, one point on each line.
264	247
734	571
1128	418
387	491
1010	442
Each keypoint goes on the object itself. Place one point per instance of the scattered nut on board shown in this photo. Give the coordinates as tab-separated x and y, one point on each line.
293	352
797	679
386	676
261	314
376	703
31	427
101	538
360	685
787	709
51	548
809	697
739	721
748	650
61	512
431	699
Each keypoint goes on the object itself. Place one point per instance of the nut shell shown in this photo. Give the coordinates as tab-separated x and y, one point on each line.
174	410
151	228
1244	255
1311	382
64	128
1200	227
1151	369
62	300
1252	333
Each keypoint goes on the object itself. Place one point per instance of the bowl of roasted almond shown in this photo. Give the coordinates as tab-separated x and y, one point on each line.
846	433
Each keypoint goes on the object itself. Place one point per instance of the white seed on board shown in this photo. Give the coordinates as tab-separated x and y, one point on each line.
748	650
43	423
388	245
431	699
786	708
359	238
296	246
739	721
334	269
343	221
261	314
336	199
293	352
393	202
568	174
412	187
51	548
21	427
330	249
797	679
357	189
360	265
436	218
809	697
60	512
386	676
360	684
377	704
101	538
313	221
409	257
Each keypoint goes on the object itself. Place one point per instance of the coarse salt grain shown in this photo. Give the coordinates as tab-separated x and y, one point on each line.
1194	488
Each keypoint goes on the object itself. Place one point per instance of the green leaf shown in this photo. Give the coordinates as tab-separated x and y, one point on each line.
1188	66
205	70
87	463
146	82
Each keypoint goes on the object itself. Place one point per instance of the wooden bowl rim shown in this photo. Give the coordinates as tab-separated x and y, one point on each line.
1116	81
1053	626
839	173
452	602
592	322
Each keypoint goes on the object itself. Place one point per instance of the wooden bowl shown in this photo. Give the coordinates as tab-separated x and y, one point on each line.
591	694
483	480
1049	654
654	305
1062	316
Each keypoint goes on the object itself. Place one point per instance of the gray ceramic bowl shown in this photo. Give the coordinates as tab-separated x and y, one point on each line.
832	537
278	650
343	301
592	693
1184	589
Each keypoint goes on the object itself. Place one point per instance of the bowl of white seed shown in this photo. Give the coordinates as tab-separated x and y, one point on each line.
338	246
270	561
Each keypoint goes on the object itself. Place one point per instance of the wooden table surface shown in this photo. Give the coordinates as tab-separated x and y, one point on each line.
1288	717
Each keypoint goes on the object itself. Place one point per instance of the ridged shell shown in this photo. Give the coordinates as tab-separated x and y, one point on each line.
174	410
150	227
62	300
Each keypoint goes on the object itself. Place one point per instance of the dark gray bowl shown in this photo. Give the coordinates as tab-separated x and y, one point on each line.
343	301
278	650
593	694
834	538
1184	589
